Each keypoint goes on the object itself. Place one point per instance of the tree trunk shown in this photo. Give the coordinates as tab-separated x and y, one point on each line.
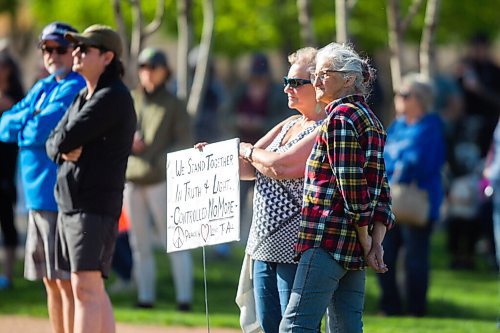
305	22
122	31
201	73
139	34
341	18
426	57
136	36
395	42
185	37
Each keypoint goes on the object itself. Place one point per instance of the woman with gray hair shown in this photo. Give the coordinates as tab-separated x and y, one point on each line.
346	193
276	163
414	153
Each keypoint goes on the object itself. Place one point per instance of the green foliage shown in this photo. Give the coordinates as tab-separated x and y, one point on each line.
81	13
244	26
8	5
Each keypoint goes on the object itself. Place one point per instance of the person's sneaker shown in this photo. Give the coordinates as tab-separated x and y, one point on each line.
184	307
121	286
5	283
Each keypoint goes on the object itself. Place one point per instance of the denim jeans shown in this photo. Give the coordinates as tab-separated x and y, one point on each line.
321	282
417	244
272	288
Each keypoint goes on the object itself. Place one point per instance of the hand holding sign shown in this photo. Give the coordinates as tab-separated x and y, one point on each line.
203	196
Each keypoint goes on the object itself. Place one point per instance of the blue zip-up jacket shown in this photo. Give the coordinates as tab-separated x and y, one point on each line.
29	123
416	153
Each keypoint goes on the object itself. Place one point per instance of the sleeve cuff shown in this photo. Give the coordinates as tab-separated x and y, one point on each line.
385	216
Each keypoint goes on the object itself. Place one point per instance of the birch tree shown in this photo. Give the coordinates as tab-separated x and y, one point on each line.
140	32
343	10
184	44
427	44
306	23
398	27
198	88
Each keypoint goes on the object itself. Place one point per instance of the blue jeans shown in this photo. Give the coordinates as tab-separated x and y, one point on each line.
272	288
321	282
417	244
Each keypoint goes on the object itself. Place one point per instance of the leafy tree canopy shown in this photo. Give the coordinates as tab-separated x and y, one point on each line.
244	26
8	5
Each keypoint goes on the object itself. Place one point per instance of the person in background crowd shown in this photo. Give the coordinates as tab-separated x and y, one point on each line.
11	92
163	125
91	145
345	193
253	109
414	153
207	122
276	163
258	103
479	79
29	123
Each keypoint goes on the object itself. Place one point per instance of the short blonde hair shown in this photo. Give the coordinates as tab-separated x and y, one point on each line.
305	56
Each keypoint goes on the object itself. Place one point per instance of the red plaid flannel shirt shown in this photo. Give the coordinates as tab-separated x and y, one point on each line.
345	182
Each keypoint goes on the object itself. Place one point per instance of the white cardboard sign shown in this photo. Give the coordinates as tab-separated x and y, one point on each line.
203	196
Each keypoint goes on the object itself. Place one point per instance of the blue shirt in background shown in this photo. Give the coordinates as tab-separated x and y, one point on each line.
29	123
417	153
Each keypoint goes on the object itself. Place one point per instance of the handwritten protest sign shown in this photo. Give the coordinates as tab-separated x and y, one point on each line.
203	196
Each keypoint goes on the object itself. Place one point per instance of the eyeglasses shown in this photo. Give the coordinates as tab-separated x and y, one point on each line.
84	48
294	83
404	94
322	75
59	49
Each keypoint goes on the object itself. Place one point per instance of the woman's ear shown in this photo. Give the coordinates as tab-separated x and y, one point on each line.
349	82
108	57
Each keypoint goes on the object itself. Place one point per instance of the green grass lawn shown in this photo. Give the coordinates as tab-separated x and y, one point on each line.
459	301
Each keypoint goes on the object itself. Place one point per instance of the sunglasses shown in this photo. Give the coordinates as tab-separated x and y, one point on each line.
294	83
59	49
84	48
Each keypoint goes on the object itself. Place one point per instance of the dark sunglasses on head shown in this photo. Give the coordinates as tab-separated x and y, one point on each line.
59	49
294	83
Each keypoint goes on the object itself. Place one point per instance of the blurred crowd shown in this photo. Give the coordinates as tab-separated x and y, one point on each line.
466	103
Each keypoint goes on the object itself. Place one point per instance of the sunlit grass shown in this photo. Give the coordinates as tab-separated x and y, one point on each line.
458	301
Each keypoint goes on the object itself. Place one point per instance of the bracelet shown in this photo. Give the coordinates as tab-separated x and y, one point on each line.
247	154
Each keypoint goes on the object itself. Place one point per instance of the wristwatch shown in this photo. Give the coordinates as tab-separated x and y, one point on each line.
247	153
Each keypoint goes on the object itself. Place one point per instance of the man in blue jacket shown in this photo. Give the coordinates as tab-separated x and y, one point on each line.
29	123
